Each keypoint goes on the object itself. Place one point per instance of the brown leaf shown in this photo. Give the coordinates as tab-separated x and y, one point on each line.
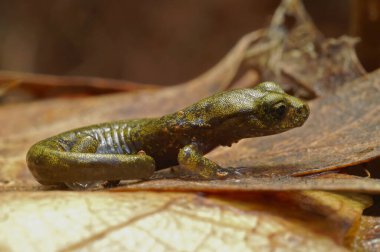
331	64
331	182
36	86
294	53
368	235
243	214
66	221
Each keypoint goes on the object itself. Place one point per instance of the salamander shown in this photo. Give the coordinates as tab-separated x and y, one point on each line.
134	149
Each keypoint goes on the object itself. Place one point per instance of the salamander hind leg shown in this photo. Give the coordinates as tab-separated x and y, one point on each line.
192	162
87	169
86	144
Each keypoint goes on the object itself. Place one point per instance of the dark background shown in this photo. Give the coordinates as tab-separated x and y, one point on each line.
162	42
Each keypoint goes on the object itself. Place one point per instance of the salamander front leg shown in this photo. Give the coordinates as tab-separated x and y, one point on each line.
192	162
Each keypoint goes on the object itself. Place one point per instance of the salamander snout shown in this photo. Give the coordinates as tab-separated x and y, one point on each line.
302	112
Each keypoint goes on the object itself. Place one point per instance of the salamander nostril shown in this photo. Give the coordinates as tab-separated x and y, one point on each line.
303	110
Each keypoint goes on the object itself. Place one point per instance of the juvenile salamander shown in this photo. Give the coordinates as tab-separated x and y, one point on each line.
134	149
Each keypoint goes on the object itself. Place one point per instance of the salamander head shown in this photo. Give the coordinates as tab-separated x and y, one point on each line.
263	110
275	111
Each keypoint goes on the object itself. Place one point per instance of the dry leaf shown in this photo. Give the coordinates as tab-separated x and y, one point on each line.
331	182
37	86
264	211
67	221
368	236
294	53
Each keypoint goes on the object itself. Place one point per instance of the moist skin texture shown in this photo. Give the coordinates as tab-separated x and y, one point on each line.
134	149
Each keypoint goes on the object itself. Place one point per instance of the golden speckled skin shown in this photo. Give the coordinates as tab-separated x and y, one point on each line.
134	149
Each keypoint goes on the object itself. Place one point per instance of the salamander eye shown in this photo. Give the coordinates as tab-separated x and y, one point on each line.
279	110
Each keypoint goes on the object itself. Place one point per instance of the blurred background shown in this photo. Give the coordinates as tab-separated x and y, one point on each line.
161	42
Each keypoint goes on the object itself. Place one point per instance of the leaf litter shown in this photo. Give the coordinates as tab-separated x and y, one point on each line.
267	209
